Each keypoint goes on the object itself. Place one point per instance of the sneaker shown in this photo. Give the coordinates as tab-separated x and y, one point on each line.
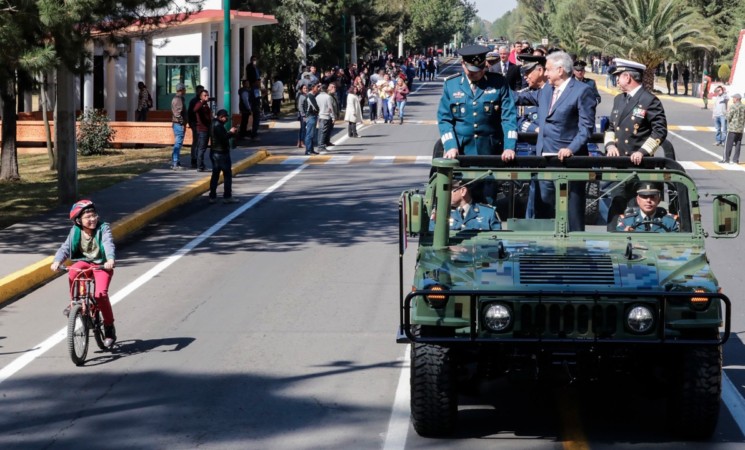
175	167
212	200
66	311
109	333
229	200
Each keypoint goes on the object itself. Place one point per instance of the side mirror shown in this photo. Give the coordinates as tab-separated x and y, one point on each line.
726	209
416	220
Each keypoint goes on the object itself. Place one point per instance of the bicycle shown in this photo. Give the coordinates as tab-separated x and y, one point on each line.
84	315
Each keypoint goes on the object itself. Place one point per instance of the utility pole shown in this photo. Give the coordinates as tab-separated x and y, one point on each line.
226	46
354	40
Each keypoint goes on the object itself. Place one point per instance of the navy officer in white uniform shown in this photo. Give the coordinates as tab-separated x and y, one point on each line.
477	113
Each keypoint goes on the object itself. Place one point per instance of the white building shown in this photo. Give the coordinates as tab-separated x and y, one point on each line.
189	52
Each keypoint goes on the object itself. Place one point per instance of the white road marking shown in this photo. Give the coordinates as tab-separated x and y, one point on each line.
296	160
690	165
28	357
383	159
340	159
734	402
709	152
398	425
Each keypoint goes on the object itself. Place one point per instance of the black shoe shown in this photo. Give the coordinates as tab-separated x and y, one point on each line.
202	169
723	161
109	333
329	144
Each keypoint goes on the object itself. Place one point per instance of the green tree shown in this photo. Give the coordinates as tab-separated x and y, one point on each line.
434	22
648	31
39	35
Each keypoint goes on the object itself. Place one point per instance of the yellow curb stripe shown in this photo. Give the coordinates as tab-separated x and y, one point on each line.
274	159
708	165
35	274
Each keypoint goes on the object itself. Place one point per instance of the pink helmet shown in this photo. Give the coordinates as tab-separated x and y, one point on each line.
78	208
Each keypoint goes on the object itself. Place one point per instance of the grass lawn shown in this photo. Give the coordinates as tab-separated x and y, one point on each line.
36	193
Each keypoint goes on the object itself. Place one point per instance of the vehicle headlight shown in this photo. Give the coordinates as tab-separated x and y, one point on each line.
497	317
640	319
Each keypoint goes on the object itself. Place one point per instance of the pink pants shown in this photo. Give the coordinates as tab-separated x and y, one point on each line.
103	279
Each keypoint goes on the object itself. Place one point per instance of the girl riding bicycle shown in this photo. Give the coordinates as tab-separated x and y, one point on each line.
90	244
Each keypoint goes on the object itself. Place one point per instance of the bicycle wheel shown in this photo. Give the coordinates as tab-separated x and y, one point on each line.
98	330
77	335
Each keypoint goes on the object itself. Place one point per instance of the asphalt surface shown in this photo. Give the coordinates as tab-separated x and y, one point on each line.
271	323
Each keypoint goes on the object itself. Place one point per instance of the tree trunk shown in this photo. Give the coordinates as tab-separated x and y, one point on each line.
65	141
9	152
648	79
47	128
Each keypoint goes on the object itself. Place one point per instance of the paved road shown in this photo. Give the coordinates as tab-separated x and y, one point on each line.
270	324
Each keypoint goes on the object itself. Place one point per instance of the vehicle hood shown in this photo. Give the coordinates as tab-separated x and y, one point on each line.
562	264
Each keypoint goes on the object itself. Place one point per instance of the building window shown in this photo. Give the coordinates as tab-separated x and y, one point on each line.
172	70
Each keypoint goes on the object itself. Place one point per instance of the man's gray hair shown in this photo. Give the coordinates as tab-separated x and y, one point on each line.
503	47
561	59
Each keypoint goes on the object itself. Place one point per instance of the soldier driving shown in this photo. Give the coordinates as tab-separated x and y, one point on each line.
477	113
637	123
648	216
467	215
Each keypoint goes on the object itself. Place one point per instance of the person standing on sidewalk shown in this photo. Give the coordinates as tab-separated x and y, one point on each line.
278	95
736	123
686	78
353	114
178	108
192	120
204	122
705	85
244	106
299	102
220	157
89	244
333	107
144	103
324	116
668	77
719	114
311	119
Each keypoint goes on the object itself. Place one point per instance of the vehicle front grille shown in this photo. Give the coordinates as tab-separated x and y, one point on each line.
561	320
566	269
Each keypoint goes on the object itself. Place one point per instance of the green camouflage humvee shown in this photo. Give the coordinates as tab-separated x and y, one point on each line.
534	299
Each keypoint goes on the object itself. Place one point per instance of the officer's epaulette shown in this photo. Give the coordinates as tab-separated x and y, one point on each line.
455	75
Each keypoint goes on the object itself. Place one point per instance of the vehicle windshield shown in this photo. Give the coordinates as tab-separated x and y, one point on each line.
483	201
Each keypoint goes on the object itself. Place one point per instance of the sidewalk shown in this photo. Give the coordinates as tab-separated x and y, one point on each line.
27	249
600	82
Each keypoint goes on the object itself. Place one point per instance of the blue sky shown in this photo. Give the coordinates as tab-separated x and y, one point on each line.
492	10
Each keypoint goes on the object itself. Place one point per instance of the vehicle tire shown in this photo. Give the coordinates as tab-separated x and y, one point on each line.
693	405
77	335
438	150
669	150
434	397
98	331
592	207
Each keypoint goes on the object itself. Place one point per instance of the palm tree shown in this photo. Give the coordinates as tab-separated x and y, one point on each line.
648	31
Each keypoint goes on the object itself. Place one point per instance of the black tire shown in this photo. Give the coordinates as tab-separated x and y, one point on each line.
438	150
98	331
592	208
434	397
669	150
693	404
77	335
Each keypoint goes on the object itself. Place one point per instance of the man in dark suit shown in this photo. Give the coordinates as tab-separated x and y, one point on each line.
509	71
638	125
566	118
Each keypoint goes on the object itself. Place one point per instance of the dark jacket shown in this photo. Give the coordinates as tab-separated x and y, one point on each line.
637	124
204	115
220	137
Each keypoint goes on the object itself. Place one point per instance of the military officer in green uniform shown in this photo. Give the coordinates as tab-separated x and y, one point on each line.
648	216
467	215
638	125
578	68
477	113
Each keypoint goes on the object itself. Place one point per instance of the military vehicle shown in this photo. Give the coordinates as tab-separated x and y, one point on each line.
535	300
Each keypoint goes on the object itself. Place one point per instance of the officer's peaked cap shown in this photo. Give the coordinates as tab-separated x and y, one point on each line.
625	65
530	62
648	188
474	56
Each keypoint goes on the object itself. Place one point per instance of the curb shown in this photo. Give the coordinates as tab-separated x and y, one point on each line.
36	274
